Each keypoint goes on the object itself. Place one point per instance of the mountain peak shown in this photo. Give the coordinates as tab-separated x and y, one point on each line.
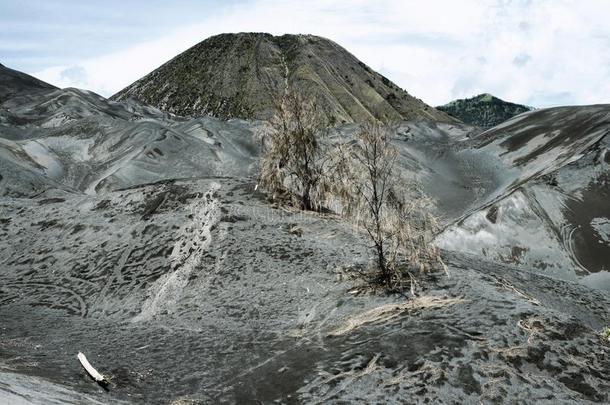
483	110
485	97
242	75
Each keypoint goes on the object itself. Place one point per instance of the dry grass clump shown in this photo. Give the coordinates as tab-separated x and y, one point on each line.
505	284
386	312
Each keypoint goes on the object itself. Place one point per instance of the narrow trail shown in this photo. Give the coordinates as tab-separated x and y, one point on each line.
193	240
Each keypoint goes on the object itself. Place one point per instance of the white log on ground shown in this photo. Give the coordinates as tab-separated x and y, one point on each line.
87	366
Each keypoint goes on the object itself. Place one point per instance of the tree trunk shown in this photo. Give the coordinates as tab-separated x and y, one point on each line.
306	203
381	262
306	200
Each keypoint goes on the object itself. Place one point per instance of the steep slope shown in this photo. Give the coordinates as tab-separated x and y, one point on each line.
13	82
243	75
483	110
545	177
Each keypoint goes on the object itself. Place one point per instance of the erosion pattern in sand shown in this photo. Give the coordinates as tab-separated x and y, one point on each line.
138	238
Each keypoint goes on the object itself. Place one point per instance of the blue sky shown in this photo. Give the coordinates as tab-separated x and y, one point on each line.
36	34
536	52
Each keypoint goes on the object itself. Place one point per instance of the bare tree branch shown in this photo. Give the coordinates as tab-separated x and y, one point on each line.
395	217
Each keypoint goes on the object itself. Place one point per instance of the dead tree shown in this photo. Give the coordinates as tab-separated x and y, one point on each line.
393	211
293	159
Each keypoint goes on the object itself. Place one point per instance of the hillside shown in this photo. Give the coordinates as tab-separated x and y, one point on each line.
243	75
13	82
141	239
483	110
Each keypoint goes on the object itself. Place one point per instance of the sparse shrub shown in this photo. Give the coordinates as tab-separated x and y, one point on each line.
393	211
293	160
301	165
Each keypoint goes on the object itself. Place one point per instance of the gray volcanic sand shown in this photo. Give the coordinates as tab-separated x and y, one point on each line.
138	238
208	296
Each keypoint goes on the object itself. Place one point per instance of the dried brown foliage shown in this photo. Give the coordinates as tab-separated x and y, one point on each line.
392	210
301	165
293	161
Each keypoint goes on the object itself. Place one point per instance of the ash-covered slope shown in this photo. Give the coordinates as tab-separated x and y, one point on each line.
141	240
77	141
30	106
243	75
544	181
13	82
197	291
483	110
92	155
53	108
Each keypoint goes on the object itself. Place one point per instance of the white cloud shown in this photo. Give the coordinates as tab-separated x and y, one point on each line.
545	52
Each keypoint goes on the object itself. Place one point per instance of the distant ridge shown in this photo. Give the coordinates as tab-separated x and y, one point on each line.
484	110
243	75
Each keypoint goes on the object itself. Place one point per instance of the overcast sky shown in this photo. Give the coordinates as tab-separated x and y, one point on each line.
536	52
